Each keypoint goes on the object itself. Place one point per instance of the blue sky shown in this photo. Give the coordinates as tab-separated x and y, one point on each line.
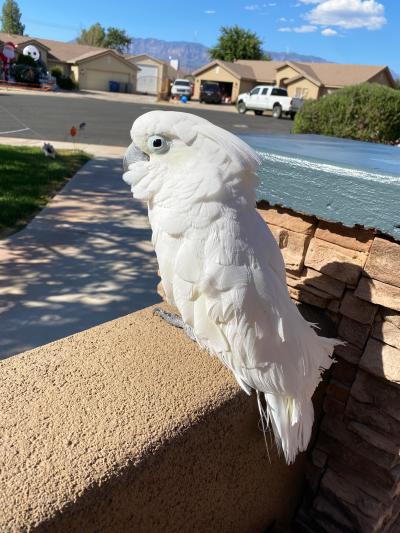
346	31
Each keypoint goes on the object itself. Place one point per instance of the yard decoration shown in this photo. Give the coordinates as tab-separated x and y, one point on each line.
7	56
48	150
73	131
31	51
29	68
222	268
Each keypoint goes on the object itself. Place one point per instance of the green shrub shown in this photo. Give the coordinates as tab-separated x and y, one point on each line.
367	112
56	72
66	83
26	74
26	60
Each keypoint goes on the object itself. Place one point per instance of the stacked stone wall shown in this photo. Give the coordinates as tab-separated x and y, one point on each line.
353	276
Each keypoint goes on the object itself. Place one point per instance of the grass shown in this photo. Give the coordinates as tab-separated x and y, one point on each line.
29	179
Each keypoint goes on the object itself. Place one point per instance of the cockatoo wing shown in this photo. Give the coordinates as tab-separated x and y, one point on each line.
232	291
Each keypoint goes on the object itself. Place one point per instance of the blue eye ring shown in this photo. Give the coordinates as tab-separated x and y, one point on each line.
157	144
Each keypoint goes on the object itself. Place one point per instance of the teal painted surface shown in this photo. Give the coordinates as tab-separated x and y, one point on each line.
338	180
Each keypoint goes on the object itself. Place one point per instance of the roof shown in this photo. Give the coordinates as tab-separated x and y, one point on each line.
101	52
137	57
335	74
172	73
20	39
69	52
264	71
238	70
64	52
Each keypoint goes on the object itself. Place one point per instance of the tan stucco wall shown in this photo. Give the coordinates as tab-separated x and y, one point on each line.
102	70
286	72
218	73
311	90
129	426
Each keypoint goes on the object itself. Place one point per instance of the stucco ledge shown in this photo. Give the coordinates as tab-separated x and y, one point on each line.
129	426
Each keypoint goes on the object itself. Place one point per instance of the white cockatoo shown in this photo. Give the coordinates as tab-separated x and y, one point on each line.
221	267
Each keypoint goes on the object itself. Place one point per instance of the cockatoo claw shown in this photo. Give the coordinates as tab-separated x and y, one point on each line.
175	320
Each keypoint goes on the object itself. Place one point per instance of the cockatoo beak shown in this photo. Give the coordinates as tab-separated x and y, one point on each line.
133	155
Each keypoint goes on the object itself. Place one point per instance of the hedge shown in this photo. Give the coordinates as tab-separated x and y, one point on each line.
366	112
64	82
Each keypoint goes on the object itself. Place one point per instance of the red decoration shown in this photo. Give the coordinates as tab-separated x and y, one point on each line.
73	131
6	56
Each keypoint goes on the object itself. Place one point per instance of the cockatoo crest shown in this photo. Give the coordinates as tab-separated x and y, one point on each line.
221	267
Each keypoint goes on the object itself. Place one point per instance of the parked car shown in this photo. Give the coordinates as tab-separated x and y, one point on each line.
181	88
210	92
269	98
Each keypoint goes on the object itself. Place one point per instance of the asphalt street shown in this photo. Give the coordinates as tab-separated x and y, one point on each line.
47	117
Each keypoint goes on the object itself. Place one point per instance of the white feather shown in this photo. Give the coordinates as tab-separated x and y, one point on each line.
222	268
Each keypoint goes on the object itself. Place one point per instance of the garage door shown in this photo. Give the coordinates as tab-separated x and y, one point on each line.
98	80
147	78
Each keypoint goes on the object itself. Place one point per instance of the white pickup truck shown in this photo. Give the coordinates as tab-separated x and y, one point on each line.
269	98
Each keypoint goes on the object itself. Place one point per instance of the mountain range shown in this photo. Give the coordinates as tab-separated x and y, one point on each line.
193	55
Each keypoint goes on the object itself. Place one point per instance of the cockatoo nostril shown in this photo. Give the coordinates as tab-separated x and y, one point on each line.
133	155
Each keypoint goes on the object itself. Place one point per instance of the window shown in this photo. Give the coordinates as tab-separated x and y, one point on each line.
301	92
255	91
278	92
265	91
182	82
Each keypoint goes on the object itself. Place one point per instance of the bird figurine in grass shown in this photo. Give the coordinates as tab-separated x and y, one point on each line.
48	150
222	269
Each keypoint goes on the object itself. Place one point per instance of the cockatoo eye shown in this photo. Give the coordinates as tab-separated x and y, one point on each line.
157	144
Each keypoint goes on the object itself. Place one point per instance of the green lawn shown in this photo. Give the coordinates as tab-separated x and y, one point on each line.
28	179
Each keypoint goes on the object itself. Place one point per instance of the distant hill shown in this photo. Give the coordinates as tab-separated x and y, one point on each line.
193	55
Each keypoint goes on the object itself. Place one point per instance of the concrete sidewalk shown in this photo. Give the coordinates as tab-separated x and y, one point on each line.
85	259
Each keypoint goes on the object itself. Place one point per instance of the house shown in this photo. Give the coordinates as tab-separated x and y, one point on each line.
155	75
313	80
306	80
91	67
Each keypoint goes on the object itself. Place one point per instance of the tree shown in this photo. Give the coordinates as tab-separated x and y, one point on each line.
117	39
93	36
11	18
236	43
96	35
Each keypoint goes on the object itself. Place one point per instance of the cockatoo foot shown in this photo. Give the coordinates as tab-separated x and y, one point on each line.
175	320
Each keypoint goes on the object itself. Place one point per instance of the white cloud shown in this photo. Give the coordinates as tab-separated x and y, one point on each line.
328	32
209	12
306	28
347	14
282	19
258	7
